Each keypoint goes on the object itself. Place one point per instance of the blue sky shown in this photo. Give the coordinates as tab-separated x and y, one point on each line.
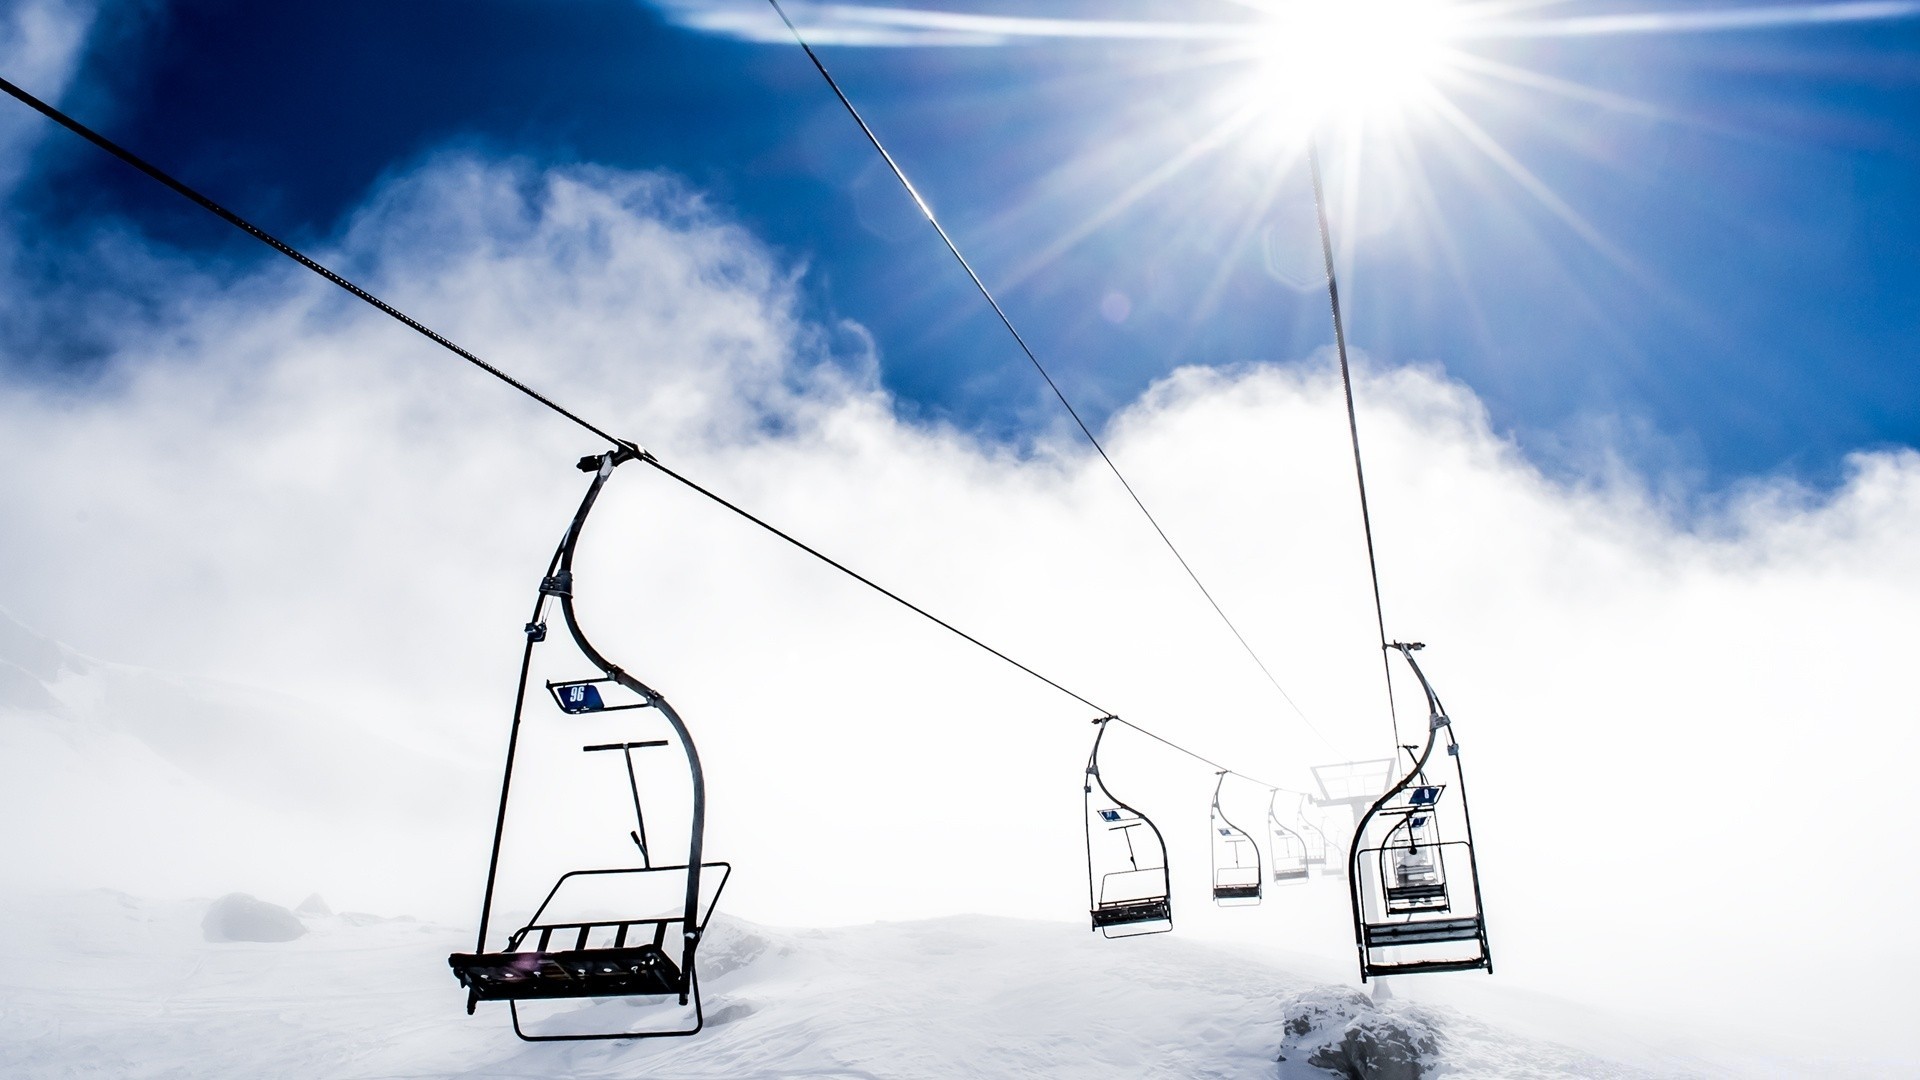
1749	309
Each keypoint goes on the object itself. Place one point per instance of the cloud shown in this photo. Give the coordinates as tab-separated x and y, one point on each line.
1686	736
890	27
40	47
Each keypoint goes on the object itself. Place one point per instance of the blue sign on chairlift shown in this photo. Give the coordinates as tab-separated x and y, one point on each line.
578	697
1425	796
1109	815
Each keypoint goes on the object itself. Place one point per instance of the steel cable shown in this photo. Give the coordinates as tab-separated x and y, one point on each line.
1019	340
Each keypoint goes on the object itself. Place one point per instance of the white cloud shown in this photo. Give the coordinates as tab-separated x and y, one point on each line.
40	47
1687	740
879	25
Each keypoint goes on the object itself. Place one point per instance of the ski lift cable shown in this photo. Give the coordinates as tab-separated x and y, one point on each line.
1203	759
288	250
1353	423
1019	340
194	196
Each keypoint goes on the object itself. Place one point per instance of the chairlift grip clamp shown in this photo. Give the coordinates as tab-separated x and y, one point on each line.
624	450
560	584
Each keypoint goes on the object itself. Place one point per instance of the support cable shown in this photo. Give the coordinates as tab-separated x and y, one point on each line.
1203	759
1353	423
864	580
954	249
286	249
621	444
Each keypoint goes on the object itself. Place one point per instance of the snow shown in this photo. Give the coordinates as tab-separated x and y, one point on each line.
176	791
112	985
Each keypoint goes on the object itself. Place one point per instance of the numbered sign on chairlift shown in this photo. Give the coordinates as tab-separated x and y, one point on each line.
578	697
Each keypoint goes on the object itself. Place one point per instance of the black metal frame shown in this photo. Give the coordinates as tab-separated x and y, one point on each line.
1235	894
648	970
1400	923
1122	915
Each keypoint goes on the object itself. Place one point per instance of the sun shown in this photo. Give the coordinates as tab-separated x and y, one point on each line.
1321	60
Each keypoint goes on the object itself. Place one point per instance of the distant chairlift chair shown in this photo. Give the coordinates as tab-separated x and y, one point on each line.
1288	847
1236	858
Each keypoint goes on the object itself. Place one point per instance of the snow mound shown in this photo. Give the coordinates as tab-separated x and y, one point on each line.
314	905
239	917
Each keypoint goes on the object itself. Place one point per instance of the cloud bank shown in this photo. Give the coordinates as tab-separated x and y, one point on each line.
1686	738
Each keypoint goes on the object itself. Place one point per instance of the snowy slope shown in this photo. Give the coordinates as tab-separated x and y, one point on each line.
109	985
120	776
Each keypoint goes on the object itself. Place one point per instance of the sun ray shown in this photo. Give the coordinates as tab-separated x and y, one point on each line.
1660	291
1567	89
1694	22
1542	192
1183	160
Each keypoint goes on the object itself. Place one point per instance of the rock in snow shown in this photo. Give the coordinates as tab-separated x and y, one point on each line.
1340	1032
239	917
315	906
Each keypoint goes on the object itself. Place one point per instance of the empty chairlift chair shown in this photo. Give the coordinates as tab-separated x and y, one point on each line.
1309	824
1127	883
627	932
1287	846
1236	858
1415	884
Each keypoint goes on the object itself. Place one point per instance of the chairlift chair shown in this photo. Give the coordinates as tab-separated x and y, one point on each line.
613	932
1128	889
1312	834
1288	846
1237	879
1415	885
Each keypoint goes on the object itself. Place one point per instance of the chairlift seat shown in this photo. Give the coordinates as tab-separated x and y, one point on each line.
1384	935
1236	892
573	973
1418	891
1294	874
1128	912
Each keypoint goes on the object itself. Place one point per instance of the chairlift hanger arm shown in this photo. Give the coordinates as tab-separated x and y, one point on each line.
559	584
1436	712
